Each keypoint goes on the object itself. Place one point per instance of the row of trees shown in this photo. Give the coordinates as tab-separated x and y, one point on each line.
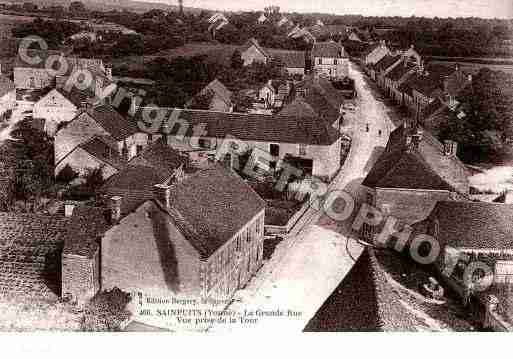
486	132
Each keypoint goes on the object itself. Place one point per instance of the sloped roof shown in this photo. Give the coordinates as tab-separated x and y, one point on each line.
220	90
474	224
116	125
299	108
363	301
161	157
28	241
291	59
254	42
386	62
400	71
424	168
276	128
431	80
6	85
211	206
101	150
330	49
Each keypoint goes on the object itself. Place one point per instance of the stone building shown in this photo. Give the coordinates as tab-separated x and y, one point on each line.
375	53
309	140
38	75
7	95
414	173
252	52
330	59
202	237
98	136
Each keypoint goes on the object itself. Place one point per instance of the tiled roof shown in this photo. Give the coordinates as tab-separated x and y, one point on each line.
291	59
86	226
400	71
474	224
161	157
31	246
432	79
253	127
116	125
211	206
299	108
424	168
363	301
386	62
329	49
101	150
6	85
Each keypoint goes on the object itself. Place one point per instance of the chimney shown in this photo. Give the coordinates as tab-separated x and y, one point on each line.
450	148
68	209
162	193
115	209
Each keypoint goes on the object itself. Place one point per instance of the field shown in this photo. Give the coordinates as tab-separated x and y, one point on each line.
474	67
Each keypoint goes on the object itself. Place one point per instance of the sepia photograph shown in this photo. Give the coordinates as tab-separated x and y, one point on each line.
283	167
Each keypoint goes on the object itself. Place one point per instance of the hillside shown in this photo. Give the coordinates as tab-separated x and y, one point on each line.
106	5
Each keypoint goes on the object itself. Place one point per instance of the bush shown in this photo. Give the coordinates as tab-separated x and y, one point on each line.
107	311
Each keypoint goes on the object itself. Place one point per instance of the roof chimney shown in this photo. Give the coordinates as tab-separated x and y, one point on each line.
162	193
115	209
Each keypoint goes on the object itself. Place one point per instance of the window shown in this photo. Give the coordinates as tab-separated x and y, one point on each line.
334	61
320	62
302	149
139	149
274	149
367	231
32	82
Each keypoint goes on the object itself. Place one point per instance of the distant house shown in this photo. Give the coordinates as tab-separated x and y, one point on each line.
309	140
353	36
375	53
200	237
430	82
221	97
399	75
59	106
330	59
365	300
252	52
36	76
414	173
98	137
7	95
294	61
381	69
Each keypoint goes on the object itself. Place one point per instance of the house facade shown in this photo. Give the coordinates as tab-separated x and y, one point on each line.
414	173
118	139
376	53
55	108
330	59
7	95
252	52
178	244
309	140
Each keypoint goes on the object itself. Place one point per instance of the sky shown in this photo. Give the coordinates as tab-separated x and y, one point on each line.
428	8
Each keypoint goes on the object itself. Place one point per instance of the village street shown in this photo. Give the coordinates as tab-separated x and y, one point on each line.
309	264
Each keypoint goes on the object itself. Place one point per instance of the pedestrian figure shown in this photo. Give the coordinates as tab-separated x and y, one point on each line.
379	133
367	127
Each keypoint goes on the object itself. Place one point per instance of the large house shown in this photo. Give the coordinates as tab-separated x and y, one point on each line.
98	138
375	53
201	237
330	59
36	76
310	140
293	61
7	95
414	173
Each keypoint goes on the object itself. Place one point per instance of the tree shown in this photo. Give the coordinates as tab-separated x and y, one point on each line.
94	179
77	7
107	311
241	102
67	174
236	61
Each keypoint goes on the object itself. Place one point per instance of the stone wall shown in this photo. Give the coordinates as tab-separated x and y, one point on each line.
80	277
